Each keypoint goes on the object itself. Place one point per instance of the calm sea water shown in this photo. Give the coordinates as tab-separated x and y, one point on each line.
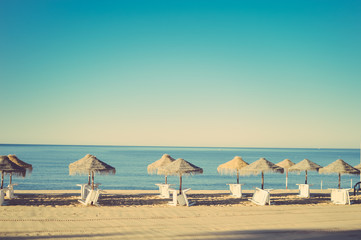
50	166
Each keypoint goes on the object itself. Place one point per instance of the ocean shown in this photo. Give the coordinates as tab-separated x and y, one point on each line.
51	172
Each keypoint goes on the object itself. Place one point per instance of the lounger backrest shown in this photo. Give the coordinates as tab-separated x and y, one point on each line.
181	200
89	198
1	196
10	191
257	195
337	195
340	196
184	194
96	196
237	190
304	190
260	196
165	190
231	188
174	193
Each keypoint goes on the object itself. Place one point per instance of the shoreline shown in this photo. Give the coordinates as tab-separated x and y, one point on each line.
137	191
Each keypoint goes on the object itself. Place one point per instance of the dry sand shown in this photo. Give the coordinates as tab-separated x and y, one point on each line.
143	215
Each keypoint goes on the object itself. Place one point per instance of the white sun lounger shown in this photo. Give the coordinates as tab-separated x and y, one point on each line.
10	191
180	199
340	196
183	200
174	197
236	190
92	198
164	190
304	190
2	194
261	196
85	188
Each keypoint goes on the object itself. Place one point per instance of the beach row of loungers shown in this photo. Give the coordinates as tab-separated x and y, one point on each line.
260	196
90	196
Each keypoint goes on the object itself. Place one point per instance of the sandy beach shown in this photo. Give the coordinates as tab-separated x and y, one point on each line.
139	214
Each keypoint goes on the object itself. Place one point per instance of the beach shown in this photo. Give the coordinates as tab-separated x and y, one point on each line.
141	214
104	102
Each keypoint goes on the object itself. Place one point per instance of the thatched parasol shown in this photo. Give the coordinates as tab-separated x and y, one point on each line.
286	164
178	168
28	167
358	166
164	161
262	165
305	165
341	167
90	165
7	166
233	166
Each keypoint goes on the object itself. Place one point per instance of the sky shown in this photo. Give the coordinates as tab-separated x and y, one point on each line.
181	73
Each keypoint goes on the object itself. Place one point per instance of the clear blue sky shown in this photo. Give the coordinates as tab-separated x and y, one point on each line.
181	73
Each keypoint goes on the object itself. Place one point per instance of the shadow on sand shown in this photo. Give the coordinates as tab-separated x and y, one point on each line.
228	235
280	235
218	199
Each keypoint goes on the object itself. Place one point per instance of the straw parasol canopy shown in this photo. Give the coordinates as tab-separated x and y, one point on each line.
286	164
358	166
305	165
341	167
164	161
17	161
179	168
262	166
233	166
7	166
28	167
90	165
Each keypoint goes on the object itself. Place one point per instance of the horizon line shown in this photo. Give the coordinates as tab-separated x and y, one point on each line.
169	146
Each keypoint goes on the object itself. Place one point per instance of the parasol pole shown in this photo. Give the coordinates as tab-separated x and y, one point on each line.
306	178
339	180
89	178
92	180
180	184
166	179
237	176
262	179
286	178
11	178
2	179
